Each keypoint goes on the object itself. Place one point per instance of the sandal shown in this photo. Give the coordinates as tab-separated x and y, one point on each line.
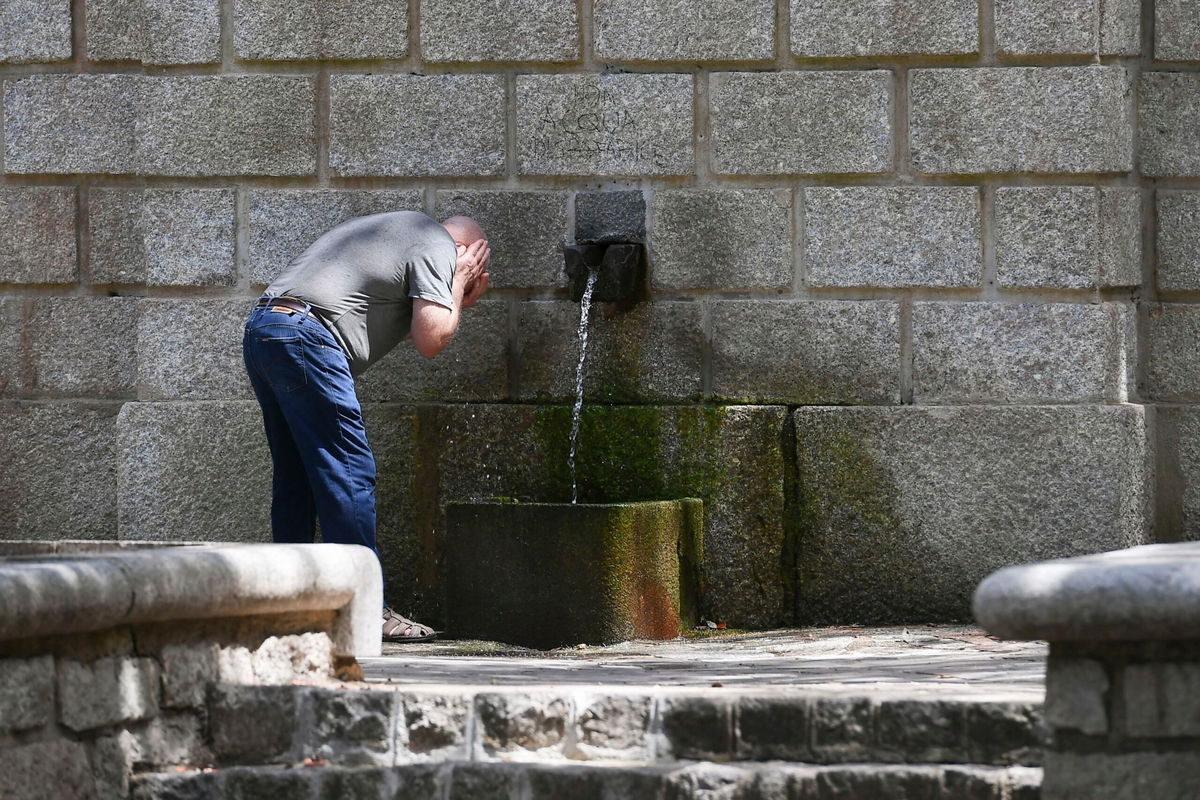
401	629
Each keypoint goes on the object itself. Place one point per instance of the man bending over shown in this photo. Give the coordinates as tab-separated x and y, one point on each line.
334	311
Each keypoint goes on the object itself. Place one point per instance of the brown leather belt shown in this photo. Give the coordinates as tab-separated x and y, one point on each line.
289	303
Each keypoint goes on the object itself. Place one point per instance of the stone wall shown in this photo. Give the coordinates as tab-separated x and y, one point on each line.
921	272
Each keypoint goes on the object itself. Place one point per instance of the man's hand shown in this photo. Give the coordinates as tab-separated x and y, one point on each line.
476	290
472	262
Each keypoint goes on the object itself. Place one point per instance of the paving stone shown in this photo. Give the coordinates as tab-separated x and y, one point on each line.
525	231
610	124
472	368
71	123
817	352
37	235
352	728
47	771
167	492
722	239
254	724
281	30
187	671
697	727
880	541
35	30
499	30
83	346
1176	31
921	731
154	31
807	122
901	236
63	477
610	216
1071	237
433	727
1075	695
515	723
692	30
1018	353
108	691
1120	776
284	222
650	353
163	237
1021	119
1178	266
774	728
1169	112
1173	374
192	349
1161	700
614	727
1040	27
883	27
26	693
396	125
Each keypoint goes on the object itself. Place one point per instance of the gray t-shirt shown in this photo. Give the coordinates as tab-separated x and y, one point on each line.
362	276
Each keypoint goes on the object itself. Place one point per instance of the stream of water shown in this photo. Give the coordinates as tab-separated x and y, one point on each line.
585	307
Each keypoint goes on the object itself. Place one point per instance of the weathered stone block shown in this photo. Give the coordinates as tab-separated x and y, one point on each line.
283	659
774	728
26	693
1005	733
610	216
694	30
472	368
698	728
829	352
1179	440
614	727
611	124
352	728
228	125
490	781
37	235
881	541
807	122
1018	353
62	478
360	784
251	783
254	724
1176	31
284	222
433	727
280	30
1113	776
1178	241
843	729
167	492
192	350
1161	699
1076	690
71	123
12	316
35	30
1044	27
512	723
47	771
1021	119
921	731
154	31
107	691
722	239
652	352
187	671
184	786
171	739
397	125
869	236
1169	113
883	27
1073	237
163	237
525	231
83	346
499	30
1173	374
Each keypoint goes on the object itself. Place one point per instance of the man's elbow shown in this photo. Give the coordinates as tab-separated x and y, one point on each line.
429	348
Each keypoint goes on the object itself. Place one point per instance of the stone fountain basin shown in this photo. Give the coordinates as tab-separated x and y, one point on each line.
549	575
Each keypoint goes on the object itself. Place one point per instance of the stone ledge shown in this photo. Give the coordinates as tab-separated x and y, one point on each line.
1142	593
67	594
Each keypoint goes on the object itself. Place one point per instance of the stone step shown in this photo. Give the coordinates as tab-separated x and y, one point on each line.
382	725
619	781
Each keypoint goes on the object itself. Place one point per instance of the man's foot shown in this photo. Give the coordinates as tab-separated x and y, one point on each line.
401	629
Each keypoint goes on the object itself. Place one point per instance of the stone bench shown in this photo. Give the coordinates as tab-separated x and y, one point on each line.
1123	679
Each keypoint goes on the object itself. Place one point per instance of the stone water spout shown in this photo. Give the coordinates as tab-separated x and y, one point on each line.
610	231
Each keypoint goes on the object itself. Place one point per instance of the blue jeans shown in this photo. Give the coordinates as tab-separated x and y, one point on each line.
323	466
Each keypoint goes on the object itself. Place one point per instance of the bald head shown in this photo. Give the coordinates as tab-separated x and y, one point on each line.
464	230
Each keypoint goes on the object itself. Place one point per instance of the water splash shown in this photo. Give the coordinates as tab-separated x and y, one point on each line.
585	308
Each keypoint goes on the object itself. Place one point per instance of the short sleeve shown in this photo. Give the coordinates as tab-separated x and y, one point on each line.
431	277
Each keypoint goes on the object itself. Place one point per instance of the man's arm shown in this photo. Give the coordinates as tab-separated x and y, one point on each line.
434	325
